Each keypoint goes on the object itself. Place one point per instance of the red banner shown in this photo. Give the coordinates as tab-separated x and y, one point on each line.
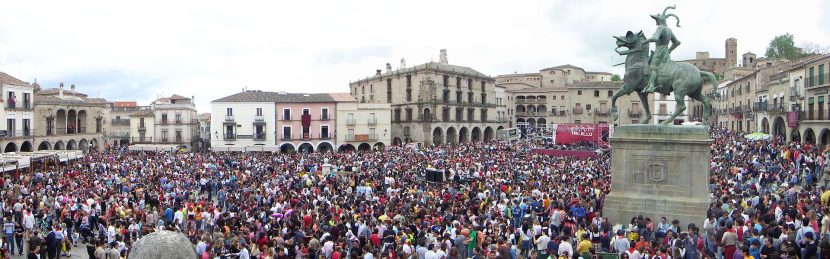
792	119
572	133
306	120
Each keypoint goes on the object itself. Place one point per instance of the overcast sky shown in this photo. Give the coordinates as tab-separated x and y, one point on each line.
138	50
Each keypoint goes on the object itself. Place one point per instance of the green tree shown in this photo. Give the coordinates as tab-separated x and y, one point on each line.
615	77
783	46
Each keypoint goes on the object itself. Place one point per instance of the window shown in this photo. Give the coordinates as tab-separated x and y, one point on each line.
164	136
610	93
408	114
812	73
324	113
324	132
286	114
821	74
562	97
588	107
408	81
446	81
178	118
258	111
372	119
164	118
229	111
388	90
596	93
286	132
663	109
306	111
470	84
397	115
458	82
406	131
579	92
178	135
554	97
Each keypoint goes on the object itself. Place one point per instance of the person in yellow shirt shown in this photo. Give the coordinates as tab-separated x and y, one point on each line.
584	245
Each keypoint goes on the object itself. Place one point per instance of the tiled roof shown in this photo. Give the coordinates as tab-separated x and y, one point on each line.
258	96
178	97
563	66
343	97
56	91
600	73
10	80
432	66
539	90
52	99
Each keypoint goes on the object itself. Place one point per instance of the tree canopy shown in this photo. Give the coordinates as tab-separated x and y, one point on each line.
783	46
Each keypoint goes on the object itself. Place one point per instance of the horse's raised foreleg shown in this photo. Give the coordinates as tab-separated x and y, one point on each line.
680	107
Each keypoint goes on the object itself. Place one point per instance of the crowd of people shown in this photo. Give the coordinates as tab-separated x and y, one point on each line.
499	200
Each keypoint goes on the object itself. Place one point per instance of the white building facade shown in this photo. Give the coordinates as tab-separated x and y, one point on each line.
242	125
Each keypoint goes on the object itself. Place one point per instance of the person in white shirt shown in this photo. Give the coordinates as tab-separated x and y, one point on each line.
243	254
431	253
565	247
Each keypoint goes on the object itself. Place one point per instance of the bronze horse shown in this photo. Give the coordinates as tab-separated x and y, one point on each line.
681	78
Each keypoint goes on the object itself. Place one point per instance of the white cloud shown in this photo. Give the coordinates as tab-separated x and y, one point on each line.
136	50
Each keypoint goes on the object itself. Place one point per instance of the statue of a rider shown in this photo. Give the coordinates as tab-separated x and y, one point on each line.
661	38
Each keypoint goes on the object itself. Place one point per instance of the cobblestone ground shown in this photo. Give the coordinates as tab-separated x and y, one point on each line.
78	252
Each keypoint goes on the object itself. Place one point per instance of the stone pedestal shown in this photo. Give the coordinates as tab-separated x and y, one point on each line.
659	171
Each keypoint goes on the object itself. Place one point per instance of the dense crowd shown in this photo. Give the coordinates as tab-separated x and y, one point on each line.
498	200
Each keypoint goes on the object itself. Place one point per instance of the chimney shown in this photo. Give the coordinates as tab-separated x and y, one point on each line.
443	57
377	72
72	88
388	68
403	64
60	91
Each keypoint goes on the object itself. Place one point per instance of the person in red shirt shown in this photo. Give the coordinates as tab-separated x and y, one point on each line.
375	238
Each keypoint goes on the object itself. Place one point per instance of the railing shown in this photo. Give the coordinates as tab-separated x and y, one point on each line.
177	106
635	113
351	122
521	101
521	113
259	136
228	117
164	140
14	106
760	106
735	110
324	135
228	136
373	137
259	118
325	117
286	137
776	109
577	111
119	134
602	113
121	122
285	118
16	133
163	122
140	140
373	121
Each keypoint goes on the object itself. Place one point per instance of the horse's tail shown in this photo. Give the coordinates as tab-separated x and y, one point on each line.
711	78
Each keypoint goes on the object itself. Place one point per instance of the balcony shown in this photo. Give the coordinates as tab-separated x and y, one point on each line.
120	122
760	106
16	133
142	128
735	110
521	113
577	110
229	136
125	135
13	105
162	122
373	137
229	118
776	109
350	122
141	140
324	135
286	137
635	113
600	113
285	118
259	136
325	117
373	121
557	113
259	118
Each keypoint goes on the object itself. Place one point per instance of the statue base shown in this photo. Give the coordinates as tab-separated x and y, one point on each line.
659	171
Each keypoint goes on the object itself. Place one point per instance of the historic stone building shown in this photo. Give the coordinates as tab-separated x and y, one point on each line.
814	114
16	125
169	121
565	94
118	131
717	65
435	102
68	119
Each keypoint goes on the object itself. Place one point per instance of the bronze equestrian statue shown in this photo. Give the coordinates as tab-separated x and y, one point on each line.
659	73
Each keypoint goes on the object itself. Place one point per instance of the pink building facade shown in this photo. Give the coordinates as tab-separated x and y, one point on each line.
305	123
